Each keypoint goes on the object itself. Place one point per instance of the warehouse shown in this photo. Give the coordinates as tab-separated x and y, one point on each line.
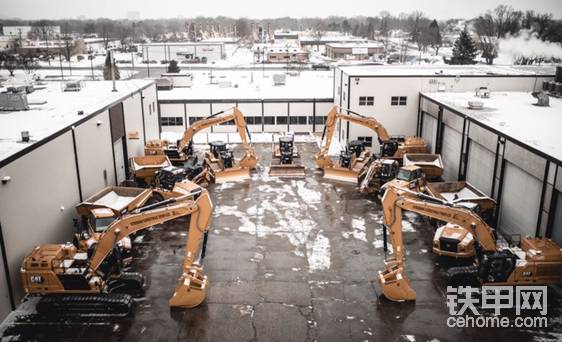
498	149
391	93
192	52
64	148
354	51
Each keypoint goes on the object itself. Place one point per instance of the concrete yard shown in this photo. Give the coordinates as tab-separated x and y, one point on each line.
288	260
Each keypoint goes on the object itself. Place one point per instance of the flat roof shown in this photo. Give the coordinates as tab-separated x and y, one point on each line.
446	70
308	85
351	45
201	43
514	115
59	112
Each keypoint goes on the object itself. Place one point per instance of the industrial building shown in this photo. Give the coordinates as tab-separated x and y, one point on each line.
286	54
354	51
64	148
192	52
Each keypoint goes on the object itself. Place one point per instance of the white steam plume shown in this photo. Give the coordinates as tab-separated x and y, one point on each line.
526	44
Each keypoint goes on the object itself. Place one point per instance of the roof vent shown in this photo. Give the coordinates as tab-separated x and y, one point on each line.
475	104
73	86
25	136
13	101
483	92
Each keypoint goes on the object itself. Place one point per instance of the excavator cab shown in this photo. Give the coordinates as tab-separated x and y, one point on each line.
286	149
389	147
356	147
167	177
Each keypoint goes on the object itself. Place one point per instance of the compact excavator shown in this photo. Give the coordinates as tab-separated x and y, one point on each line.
219	163
354	158
536	261
71	282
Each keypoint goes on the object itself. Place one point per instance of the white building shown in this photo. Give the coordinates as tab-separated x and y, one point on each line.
79	143
392	93
510	149
192	51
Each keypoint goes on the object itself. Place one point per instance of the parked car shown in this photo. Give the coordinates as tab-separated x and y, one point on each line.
320	66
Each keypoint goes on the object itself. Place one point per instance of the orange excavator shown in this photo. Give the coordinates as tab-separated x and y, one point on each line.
535	261
354	158
72	283
219	162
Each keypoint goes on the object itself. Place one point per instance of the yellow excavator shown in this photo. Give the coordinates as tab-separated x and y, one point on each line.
219	162
354	158
536	261
71	283
284	162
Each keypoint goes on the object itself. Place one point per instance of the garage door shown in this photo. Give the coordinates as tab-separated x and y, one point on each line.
557	225
520	202
480	168
451	153
429	131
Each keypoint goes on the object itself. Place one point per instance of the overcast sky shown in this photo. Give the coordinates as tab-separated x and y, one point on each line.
440	9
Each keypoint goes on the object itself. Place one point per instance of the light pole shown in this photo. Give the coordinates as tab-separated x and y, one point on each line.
91	58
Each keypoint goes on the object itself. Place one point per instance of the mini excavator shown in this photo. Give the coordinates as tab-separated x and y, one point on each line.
92	284
536	261
219	163
354	158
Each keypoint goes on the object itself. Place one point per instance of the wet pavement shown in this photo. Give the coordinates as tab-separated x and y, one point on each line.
288	260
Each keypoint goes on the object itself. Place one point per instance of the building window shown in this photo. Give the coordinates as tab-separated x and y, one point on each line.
367	141
269	120
281	120
193	119
298	120
317	120
172	121
398	100
366	100
253	120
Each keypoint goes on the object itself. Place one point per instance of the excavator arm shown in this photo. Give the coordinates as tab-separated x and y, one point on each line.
192	285
394	282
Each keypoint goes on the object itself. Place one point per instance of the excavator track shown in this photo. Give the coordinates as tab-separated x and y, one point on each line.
463	275
86	305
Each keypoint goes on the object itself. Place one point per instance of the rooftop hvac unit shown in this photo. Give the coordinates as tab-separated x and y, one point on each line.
13	101
25	88
279	79
475	104
164	84
73	86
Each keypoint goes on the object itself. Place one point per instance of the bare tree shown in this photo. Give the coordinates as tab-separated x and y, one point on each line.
11	63
493	25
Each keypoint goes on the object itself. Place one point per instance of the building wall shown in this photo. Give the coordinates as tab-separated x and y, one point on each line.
37	204
403	119
151	118
213	52
524	183
132	108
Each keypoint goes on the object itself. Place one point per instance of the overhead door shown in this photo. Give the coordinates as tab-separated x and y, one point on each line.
429	131
451	152
119	161
480	167
520	201
557	224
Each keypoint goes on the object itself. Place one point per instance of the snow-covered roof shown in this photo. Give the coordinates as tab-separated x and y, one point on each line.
351	45
59	111
308	85
446	70
201	43
514	115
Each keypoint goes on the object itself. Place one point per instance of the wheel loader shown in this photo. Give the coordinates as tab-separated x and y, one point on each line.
71	282
354	157
284	163
536	261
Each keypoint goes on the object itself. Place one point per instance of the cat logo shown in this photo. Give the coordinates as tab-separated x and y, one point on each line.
37	279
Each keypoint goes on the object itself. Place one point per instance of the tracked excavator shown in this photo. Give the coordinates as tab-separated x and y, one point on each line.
219	163
285	159
535	261
92	284
354	158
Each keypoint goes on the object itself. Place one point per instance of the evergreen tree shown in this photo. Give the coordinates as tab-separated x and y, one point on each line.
464	50
173	66
436	41
107	68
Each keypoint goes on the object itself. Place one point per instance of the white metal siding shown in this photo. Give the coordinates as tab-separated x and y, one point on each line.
4	293
451	152
520	201
37	205
95	155
480	168
150	113
133	124
429	131
119	160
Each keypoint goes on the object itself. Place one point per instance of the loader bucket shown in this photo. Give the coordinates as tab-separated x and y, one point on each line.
231	175
341	174
287	171
395	286
191	289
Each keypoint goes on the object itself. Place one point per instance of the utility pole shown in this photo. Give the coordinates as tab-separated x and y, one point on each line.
112	61
147	62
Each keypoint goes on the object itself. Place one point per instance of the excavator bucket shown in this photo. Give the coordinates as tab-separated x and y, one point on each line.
231	175
395	285
191	289
341	174
287	171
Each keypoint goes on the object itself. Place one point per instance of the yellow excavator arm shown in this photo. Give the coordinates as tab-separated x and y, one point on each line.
322	159
191	288
394	282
